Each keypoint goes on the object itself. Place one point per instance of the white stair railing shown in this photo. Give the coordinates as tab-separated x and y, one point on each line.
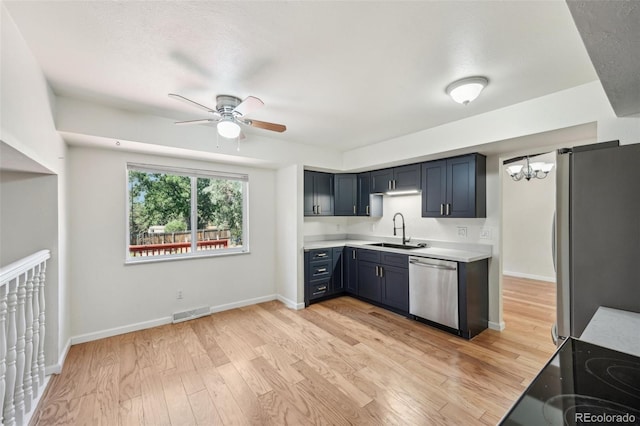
22	328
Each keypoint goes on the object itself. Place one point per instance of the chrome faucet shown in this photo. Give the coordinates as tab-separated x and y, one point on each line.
405	240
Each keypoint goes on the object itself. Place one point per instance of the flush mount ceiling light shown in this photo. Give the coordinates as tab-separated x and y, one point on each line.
528	171
227	128
466	90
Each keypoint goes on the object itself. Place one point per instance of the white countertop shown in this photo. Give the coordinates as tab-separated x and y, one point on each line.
457	255
614	329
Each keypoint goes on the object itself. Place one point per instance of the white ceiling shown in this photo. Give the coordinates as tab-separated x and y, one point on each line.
340	74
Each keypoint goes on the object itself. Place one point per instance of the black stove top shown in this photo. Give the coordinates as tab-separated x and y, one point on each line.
582	384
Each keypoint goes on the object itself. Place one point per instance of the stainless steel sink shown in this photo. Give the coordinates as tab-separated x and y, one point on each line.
398	246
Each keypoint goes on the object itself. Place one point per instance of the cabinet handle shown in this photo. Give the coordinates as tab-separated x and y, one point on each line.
377	274
321	255
354	209
353	254
367	211
389	185
441	209
448	209
394	184
381	272
319	209
321	270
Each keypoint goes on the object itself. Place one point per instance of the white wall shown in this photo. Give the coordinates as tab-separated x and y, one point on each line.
27	125
289	270
107	294
528	208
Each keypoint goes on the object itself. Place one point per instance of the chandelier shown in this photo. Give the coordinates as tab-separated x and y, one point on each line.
528	171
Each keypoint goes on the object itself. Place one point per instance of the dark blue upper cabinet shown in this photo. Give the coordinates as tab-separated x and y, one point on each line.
381	180
455	187
368	204
401	178
318	194
406	177
346	194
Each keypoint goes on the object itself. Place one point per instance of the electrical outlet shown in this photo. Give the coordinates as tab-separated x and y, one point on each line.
462	231
179	294
485	233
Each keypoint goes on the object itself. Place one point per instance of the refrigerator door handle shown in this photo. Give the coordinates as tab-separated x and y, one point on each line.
553	241
554	333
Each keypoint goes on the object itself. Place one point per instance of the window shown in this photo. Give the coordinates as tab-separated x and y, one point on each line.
176	213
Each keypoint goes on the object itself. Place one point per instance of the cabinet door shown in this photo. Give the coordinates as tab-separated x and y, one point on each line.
323	183
364	193
395	287
309	193
434	188
380	180
369	281
461	187
350	276
345	195
337	279
406	177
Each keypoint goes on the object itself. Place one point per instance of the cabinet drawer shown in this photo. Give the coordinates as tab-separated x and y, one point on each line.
320	270
318	289
393	259
320	254
368	255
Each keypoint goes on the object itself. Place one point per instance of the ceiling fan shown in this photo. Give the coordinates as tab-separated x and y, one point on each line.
230	113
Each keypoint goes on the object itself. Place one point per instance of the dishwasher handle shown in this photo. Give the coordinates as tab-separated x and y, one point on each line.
431	265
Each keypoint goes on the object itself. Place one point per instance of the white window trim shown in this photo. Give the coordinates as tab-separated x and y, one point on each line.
193	174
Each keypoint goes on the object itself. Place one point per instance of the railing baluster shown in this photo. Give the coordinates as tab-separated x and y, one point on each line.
41	343
36	334
12	302
22	325
28	339
3	348
18	396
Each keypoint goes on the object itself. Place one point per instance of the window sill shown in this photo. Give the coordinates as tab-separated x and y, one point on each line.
168	258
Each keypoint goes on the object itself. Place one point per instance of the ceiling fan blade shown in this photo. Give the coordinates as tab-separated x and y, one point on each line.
251	103
202	121
267	126
193	103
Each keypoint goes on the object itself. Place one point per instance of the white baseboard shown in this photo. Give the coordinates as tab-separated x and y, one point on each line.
290	303
88	337
499	326
243	303
57	368
529	276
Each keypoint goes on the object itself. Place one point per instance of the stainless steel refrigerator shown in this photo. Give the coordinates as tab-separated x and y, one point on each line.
597	233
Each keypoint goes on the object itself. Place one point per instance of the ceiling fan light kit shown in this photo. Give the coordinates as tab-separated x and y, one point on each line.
229	115
467	89
228	129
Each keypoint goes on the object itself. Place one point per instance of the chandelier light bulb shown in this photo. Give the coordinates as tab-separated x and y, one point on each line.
528	171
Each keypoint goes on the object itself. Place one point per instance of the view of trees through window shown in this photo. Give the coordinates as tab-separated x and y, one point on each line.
161	219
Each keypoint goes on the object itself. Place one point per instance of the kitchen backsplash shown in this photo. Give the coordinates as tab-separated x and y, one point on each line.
445	229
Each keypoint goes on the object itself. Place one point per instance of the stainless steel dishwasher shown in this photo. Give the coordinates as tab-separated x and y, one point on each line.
433	290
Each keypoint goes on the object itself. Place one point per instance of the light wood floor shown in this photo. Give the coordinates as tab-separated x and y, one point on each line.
337	362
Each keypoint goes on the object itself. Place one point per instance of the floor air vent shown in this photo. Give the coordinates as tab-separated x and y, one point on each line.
191	314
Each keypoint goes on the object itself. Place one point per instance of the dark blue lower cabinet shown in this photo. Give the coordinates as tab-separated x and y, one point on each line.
369	282
395	287
378	277
350	270
337	278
